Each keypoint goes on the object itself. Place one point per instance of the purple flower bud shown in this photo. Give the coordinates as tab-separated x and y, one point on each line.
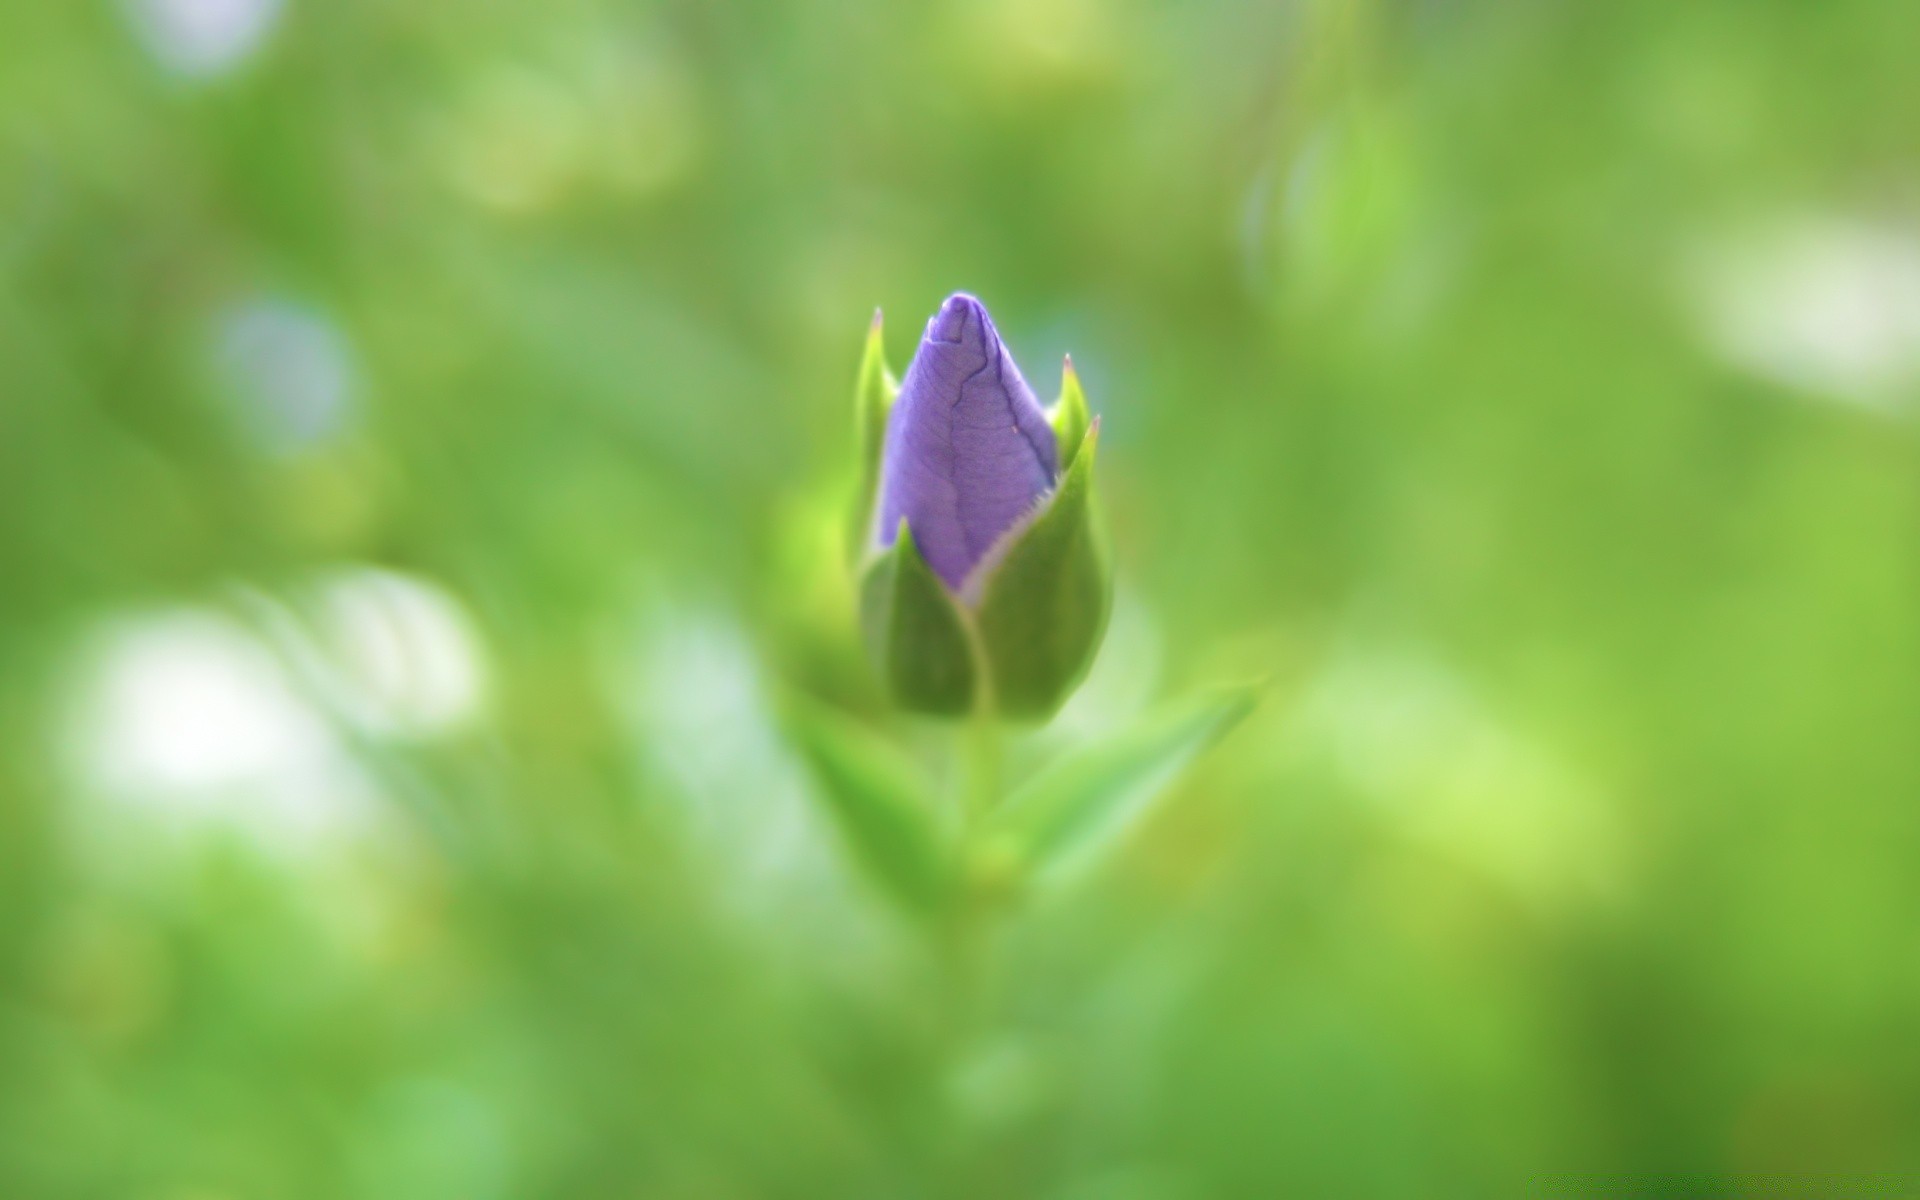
968	453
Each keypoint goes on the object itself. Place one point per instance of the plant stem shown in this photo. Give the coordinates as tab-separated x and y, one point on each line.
966	935
967	932
984	762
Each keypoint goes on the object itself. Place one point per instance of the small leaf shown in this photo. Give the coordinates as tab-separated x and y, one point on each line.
916	633
882	804
1043	598
1082	805
873	399
1069	416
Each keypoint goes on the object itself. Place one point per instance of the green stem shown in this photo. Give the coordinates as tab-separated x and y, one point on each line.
985	763
966	935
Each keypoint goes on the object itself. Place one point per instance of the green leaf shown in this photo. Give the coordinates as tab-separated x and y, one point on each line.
873	399
1082	805
916	633
1044	597
882	804
1069	416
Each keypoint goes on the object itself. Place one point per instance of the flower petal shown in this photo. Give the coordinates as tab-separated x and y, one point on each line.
969	451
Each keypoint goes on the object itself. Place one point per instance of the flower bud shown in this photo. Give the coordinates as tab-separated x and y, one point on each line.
985	585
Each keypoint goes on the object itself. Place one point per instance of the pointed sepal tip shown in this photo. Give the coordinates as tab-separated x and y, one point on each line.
1069	415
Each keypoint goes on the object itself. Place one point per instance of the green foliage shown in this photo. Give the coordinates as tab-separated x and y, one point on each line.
874	394
882	804
1527	388
1069	416
1043	597
1079	807
916	633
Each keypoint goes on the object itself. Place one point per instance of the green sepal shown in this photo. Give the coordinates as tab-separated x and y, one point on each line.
882	804
873	398
1069	416
1043	597
916	632
1082	806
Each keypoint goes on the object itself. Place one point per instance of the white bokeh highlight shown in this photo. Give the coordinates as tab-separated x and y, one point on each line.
266	718
184	721
202	39
1827	306
400	654
289	373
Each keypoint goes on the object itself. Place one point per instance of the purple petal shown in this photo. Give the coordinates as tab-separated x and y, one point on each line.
968	449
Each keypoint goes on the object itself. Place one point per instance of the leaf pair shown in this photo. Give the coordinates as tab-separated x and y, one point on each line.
1061	821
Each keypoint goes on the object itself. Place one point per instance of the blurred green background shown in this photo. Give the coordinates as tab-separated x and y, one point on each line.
421	430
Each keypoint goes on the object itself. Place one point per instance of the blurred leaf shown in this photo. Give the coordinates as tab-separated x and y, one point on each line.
1082	805
1045	601
916	633
884	806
